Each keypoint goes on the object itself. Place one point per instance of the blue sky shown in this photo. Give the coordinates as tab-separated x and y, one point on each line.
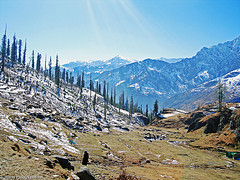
135	29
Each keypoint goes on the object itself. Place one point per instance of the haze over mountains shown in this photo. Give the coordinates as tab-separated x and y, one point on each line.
162	79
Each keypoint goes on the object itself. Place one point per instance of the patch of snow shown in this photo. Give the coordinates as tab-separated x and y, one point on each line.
136	86
120	82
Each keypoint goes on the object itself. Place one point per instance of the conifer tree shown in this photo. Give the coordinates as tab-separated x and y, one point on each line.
50	68
126	105
19	51
99	89
79	81
70	78
96	89
83	82
24	53
91	85
64	74
107	93
45	69
67	78
111	98
57	72
104	90
8	48
155	107
4	39
131	106
220	92
94	101
33	65
114	96
38	65
14	50
146	110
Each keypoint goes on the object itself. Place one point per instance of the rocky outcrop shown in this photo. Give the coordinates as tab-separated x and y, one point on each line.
85	174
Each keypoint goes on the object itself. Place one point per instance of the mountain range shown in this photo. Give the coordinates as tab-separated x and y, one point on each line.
161	79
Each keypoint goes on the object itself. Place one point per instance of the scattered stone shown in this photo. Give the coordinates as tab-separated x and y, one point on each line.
148	161
64	162
16	147
49	163
18	125
85	174
24	140
32	136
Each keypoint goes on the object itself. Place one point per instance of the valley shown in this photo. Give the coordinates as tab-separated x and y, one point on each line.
43	125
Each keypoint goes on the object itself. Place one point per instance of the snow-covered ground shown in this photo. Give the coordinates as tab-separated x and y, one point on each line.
33	107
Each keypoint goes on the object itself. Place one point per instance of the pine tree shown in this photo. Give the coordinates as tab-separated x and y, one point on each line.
70	78
155	107
38	65
107	92
19	51
83	82
90	87
57	72
111	98
114	96
50	68
126	105
105	112
131	110
64	74
14	50
99	89
146	110
121	101
94	101
8	48
4	39
96	89
45	69
24	53
104	90
33	65
79	81
220	91
67	78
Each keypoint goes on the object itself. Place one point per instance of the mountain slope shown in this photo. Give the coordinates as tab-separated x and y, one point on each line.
155	79
205	93
95	67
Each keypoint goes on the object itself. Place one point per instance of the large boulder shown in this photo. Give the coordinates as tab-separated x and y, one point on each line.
194	116
64	162
212	124
85	174
196	125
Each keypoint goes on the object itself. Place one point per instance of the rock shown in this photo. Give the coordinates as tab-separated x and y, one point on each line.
148	161
98	116
85	174
197	124
125	129
18	125
32	136
143	118
16	147
193	117
49	163
212	125
24	140
64	162
98	127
